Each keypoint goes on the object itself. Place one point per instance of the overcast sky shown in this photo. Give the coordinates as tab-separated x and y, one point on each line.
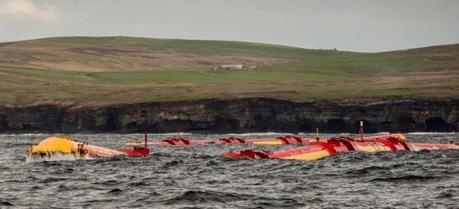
356	25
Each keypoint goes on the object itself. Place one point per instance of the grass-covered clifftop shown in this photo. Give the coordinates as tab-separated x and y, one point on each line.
100	70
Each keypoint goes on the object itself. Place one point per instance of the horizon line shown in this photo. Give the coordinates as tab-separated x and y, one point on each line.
239	41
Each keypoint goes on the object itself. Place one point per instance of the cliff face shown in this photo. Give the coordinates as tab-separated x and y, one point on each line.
238	115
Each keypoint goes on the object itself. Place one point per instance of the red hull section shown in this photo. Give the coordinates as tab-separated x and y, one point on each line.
182	141
138	151
275	141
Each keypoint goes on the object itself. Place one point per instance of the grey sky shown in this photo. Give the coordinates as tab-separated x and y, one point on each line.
357	25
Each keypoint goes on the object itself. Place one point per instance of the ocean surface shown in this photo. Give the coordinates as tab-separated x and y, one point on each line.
199	177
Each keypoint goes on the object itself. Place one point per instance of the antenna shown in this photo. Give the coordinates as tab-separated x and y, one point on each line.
317	134
146	139
361	130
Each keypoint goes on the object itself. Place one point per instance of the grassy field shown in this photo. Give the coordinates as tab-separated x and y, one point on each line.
105	70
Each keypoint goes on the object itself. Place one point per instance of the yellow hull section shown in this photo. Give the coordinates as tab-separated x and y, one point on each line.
309	156
268	142
55	144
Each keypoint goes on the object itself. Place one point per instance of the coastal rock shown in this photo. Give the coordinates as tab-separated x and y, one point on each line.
238	115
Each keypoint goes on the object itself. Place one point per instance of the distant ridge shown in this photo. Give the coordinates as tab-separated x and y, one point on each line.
132	69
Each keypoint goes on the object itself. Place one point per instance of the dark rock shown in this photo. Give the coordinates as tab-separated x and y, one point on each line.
238	115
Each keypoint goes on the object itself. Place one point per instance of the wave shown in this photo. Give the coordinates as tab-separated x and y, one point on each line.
172	134
431	133
5	203
406	178
192	196
115	191
23	134
53	157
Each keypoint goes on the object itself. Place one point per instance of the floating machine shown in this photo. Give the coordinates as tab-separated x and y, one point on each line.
327	147
178	141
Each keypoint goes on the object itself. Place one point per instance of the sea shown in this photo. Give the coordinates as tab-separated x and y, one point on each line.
198	176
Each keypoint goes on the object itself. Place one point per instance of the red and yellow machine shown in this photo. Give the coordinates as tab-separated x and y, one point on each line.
328	147
179	141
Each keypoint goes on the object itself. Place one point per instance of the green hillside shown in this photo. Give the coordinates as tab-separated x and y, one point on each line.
100	70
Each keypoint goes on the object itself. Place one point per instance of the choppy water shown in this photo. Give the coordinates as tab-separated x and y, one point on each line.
199	177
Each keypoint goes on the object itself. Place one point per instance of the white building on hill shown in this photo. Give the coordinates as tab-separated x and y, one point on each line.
233	67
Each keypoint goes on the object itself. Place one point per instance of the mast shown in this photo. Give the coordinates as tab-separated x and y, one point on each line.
361	130
146	140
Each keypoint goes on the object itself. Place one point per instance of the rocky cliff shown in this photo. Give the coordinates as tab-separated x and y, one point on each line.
237	115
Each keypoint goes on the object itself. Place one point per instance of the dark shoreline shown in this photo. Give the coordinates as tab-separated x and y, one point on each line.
237	115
